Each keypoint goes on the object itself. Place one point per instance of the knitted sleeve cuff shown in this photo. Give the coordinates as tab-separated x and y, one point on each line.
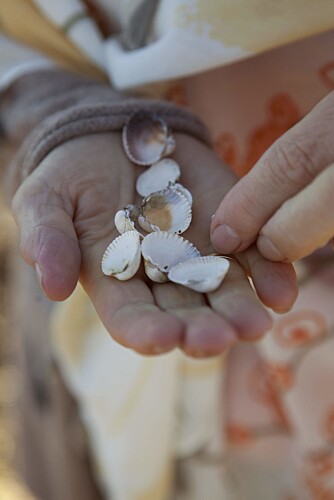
57	106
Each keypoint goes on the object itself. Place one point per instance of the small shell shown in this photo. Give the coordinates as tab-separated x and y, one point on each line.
181	189
146	138
158	177
202	274
122	257
123	222
162	251
168	209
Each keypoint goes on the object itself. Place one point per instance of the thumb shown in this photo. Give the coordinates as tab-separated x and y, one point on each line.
289	165
48	239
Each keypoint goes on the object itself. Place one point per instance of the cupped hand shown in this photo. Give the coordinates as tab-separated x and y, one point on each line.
285	203
65	211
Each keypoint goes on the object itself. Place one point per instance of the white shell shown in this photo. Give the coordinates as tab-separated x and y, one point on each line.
122	257
146	138
123	222
168	209
158	177
163	250
181	189
202	274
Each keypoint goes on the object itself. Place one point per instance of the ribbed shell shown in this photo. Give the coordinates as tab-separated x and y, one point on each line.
202	274
168	209
164	250
181	189
146	138
158	177
122	257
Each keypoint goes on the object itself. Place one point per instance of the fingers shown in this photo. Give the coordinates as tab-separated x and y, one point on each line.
48	239
127	309
288	166
206	333
235	300
275	282
299	227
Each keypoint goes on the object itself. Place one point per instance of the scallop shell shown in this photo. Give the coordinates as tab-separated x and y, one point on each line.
162	251
181	189
158	177
202	274
168	209
146	138
122	257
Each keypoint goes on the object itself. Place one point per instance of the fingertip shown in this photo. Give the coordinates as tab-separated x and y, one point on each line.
148	332
207	337
276	285
225	239
58	271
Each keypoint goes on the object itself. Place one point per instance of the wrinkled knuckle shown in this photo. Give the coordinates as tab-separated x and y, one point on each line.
293	160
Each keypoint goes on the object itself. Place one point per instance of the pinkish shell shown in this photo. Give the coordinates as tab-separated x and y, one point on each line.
146	138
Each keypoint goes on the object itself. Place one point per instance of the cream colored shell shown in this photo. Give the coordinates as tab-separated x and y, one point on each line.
162	251
158	177
122	257
202	274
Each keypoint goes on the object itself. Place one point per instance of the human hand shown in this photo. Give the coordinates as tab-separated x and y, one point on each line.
65	211
286	201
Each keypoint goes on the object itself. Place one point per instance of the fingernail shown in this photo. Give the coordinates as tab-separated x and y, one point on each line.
39	275
225	239
269	250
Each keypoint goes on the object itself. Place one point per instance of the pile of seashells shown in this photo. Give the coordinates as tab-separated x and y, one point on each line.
164	214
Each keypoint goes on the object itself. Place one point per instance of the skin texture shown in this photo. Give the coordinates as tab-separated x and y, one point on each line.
65	211
286	201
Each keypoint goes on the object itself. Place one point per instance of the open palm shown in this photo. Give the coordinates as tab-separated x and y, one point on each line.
65	211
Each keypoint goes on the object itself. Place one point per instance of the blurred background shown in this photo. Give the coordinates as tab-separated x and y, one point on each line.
11	487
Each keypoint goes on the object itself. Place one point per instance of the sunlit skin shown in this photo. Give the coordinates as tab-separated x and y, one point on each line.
65	211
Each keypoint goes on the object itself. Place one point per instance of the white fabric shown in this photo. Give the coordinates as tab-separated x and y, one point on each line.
183	54
141	413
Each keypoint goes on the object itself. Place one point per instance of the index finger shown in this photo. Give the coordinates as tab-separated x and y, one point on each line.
289	165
